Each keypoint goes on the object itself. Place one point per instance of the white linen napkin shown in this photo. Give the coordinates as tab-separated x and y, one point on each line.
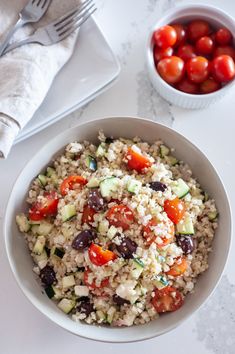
26	73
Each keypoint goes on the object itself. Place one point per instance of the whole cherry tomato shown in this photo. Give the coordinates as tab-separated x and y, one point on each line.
171	69
120	216
45	206
226	50
137	161
188	86
100	257
161	53
71	182
210	85
178	268
223	68
186	52
197	29
223	36
167	299
204	45
165	36
175	209
197	69
155	229
180	32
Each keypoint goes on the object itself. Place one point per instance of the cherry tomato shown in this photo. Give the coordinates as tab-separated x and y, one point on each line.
178	268
34	213
186	52
204	45
180	33
223	68
155	229
209	85
100	257
175	209
137	161
70	183
197	69
223	36
167	299
165	36
92	285
88	215
197	29
45	206
171	69
188	86
226	50
161	53
120	216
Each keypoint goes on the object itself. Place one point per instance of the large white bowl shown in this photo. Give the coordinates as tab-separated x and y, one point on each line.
21	261
182	14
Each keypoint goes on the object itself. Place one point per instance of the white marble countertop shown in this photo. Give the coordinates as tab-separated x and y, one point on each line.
212	329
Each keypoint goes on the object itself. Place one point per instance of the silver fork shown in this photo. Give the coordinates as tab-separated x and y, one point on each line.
32	12
59	29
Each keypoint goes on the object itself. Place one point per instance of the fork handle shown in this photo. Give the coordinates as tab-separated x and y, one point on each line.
28	40
10	33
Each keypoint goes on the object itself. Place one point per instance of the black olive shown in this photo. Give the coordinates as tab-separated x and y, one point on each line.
158	186
85	306
119	300
96	201
47	275
186	243
109	140
127	248
83	239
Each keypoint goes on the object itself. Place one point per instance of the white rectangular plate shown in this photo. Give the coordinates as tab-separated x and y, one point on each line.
91	69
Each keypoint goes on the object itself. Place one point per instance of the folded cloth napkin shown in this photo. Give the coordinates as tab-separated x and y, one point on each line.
27	72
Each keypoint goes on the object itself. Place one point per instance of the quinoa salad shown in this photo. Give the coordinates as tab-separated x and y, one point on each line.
118	232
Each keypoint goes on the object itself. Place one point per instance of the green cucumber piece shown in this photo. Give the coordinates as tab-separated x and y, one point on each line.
66	305
185	227
68	211
181	189
133	186
93	183
50	291
68	281
108	186
111	232
137	269
91	163
101	150
110	314
23	223
41	260
164	150
34	229
44	228
171	160
160	282
50	172
39	245
58	252
139	263
42	179
212	215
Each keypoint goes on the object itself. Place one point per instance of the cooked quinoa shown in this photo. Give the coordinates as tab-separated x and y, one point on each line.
118	232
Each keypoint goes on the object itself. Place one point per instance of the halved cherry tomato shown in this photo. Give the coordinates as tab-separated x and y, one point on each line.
178	268
155	229
93	285
71	182
160	53
209	85
98	256
165	36
175	209
120	216
167	299
45	206
197	69
197	29
224	50
223	36
171	69
88	215
204	45
186	52
180	33
223	68
137	161
187	86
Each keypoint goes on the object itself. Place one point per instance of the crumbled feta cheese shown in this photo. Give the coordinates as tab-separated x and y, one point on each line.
81	290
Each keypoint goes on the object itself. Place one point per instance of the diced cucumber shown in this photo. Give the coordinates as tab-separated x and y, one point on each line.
103	227
68	281
212	215
160	282
44	228
42	179
66	305
206	197
171	160
110	314
50	172
108	186
185	227
101	316
137	268
91	163
101	150
181	189
23	223
139	262
68	211
50	291
111	232
164	150
41	260
93	183
58	252
34	229
133	186
39	245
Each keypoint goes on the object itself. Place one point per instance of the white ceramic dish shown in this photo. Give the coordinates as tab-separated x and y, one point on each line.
91	70
21	261
182	14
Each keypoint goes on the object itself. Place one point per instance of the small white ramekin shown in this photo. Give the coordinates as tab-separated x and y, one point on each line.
182	14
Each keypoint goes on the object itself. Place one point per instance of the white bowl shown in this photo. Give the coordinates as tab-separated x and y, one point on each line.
182	14
21	261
